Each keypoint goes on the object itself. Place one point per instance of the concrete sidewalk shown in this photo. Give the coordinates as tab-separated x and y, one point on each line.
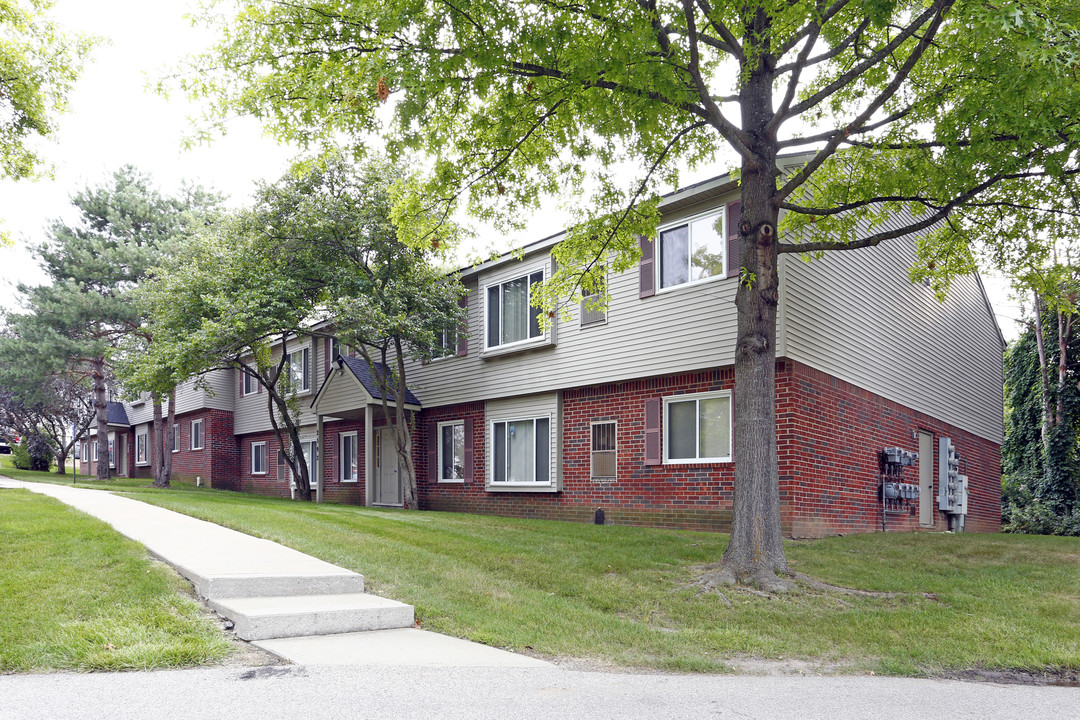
294	605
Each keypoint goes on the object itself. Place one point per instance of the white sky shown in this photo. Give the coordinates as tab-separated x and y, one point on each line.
114	120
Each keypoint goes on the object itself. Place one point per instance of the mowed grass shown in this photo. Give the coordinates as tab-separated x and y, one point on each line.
622	595
76	595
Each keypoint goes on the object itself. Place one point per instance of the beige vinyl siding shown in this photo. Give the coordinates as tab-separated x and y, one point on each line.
525	408
855	315
677	330
344	393
251	413
213	391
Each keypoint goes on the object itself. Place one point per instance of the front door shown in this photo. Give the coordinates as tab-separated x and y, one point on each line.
926	479
387	489
121	455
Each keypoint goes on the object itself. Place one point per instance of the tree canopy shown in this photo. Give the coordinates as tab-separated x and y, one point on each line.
321	253
953	119
39	64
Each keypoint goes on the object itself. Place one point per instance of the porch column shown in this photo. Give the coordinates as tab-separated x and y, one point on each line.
369	452
320	458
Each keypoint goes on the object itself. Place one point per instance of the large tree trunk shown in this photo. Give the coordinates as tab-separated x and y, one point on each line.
167	444
155	443
101	414
403	436
755	552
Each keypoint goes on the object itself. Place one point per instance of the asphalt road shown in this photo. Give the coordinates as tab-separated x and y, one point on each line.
313	692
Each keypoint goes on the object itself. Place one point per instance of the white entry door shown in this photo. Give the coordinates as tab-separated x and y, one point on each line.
387	490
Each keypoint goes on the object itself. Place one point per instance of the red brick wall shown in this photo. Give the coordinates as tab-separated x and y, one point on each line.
830	433
829	437
333	489
216	464
694	496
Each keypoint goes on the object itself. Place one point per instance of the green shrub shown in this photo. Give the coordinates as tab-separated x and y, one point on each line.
32	453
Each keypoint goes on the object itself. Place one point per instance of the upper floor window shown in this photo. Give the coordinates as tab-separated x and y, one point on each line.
250	386
510	317
692	251
300	369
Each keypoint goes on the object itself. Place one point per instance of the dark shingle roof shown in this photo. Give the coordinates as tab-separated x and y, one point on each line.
360	369
116	413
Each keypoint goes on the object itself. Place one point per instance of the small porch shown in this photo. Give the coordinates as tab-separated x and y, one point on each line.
360	446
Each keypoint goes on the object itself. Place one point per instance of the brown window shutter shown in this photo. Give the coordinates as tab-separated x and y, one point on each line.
433	451
463	328
653	454
647	268
734	217
468	449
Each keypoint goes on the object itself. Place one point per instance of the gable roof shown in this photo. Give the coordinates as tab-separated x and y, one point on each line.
362	372
116	413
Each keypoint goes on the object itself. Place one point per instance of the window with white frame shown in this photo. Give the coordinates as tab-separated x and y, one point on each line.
94	445
142	447
300	369
249	386
603	461
592	312
692	251
521	451
510	317
311	454
258	458
697	428
452	451
112	450
176	438
197	434
349	470
335	348
446	343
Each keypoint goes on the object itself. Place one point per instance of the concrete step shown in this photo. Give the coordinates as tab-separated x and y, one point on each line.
263	618
238	585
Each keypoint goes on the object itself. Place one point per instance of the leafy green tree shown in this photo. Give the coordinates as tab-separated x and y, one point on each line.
320	254
59	409
73	325
954	119
1041	454
39	64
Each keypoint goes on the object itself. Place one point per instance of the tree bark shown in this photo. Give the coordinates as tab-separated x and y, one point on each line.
166	450
155	444
101	414
755	552
1044	378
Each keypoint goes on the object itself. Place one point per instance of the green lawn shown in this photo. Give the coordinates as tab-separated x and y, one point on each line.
616	594
76	595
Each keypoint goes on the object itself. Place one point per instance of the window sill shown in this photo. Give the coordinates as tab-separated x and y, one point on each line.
691	283
522	487
517	347
137	464
348	482
263	473
451	482
704	461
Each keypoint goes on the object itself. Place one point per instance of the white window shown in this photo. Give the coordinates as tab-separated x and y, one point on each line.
697	428
692	251
112	450
258	458
250	386
335	348
94	445
196	434
521	451
349	466
510	317
176	438
603	461
452	451
142	446
446	343
311	454
300	370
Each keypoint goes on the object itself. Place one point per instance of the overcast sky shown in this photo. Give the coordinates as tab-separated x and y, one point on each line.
115	120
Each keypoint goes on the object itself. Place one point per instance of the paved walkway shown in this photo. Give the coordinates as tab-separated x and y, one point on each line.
223	563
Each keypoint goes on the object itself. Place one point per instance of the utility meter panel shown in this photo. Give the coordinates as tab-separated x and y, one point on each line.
952	486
